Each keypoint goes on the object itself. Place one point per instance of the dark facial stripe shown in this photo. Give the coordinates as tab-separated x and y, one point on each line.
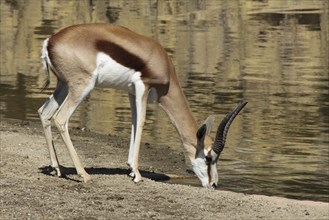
209	173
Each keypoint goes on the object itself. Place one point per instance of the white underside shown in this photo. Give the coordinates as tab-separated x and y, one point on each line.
109	73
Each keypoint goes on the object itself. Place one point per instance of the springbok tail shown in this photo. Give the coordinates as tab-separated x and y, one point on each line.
45	61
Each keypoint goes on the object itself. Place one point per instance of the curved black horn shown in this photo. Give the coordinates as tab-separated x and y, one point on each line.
224	126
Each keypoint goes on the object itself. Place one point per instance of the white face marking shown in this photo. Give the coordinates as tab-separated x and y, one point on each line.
112	74
206	172
201	170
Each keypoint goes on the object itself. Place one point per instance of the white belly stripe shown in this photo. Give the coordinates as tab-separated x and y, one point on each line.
110	73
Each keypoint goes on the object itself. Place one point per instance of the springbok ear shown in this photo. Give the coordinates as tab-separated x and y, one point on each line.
209	122
205	127
203	130
200	135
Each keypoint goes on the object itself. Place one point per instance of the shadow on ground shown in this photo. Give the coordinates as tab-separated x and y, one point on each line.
50	171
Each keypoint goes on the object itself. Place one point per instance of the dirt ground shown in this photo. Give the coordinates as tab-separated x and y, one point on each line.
29	190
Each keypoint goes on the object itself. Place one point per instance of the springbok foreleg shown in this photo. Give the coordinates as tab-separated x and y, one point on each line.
132	101
141	93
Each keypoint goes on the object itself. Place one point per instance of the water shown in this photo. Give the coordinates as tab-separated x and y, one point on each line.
274	54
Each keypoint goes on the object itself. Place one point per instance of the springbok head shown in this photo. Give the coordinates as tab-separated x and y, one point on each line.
205	163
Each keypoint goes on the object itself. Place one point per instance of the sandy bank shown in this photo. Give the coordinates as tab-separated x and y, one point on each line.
29	191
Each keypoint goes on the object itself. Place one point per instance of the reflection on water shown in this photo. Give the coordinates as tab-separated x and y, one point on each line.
274	54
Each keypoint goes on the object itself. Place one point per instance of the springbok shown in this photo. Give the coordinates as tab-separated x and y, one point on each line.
109	56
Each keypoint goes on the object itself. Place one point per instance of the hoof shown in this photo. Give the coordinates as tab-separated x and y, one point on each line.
53	170
58	171
86	177
132	174
137	177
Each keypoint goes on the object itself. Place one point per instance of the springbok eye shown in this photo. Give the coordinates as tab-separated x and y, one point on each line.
208	160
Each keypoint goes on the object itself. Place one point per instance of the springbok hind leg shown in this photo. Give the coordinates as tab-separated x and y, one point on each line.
61	119
46	112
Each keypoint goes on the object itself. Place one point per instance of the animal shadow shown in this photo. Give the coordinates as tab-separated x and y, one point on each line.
50	171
